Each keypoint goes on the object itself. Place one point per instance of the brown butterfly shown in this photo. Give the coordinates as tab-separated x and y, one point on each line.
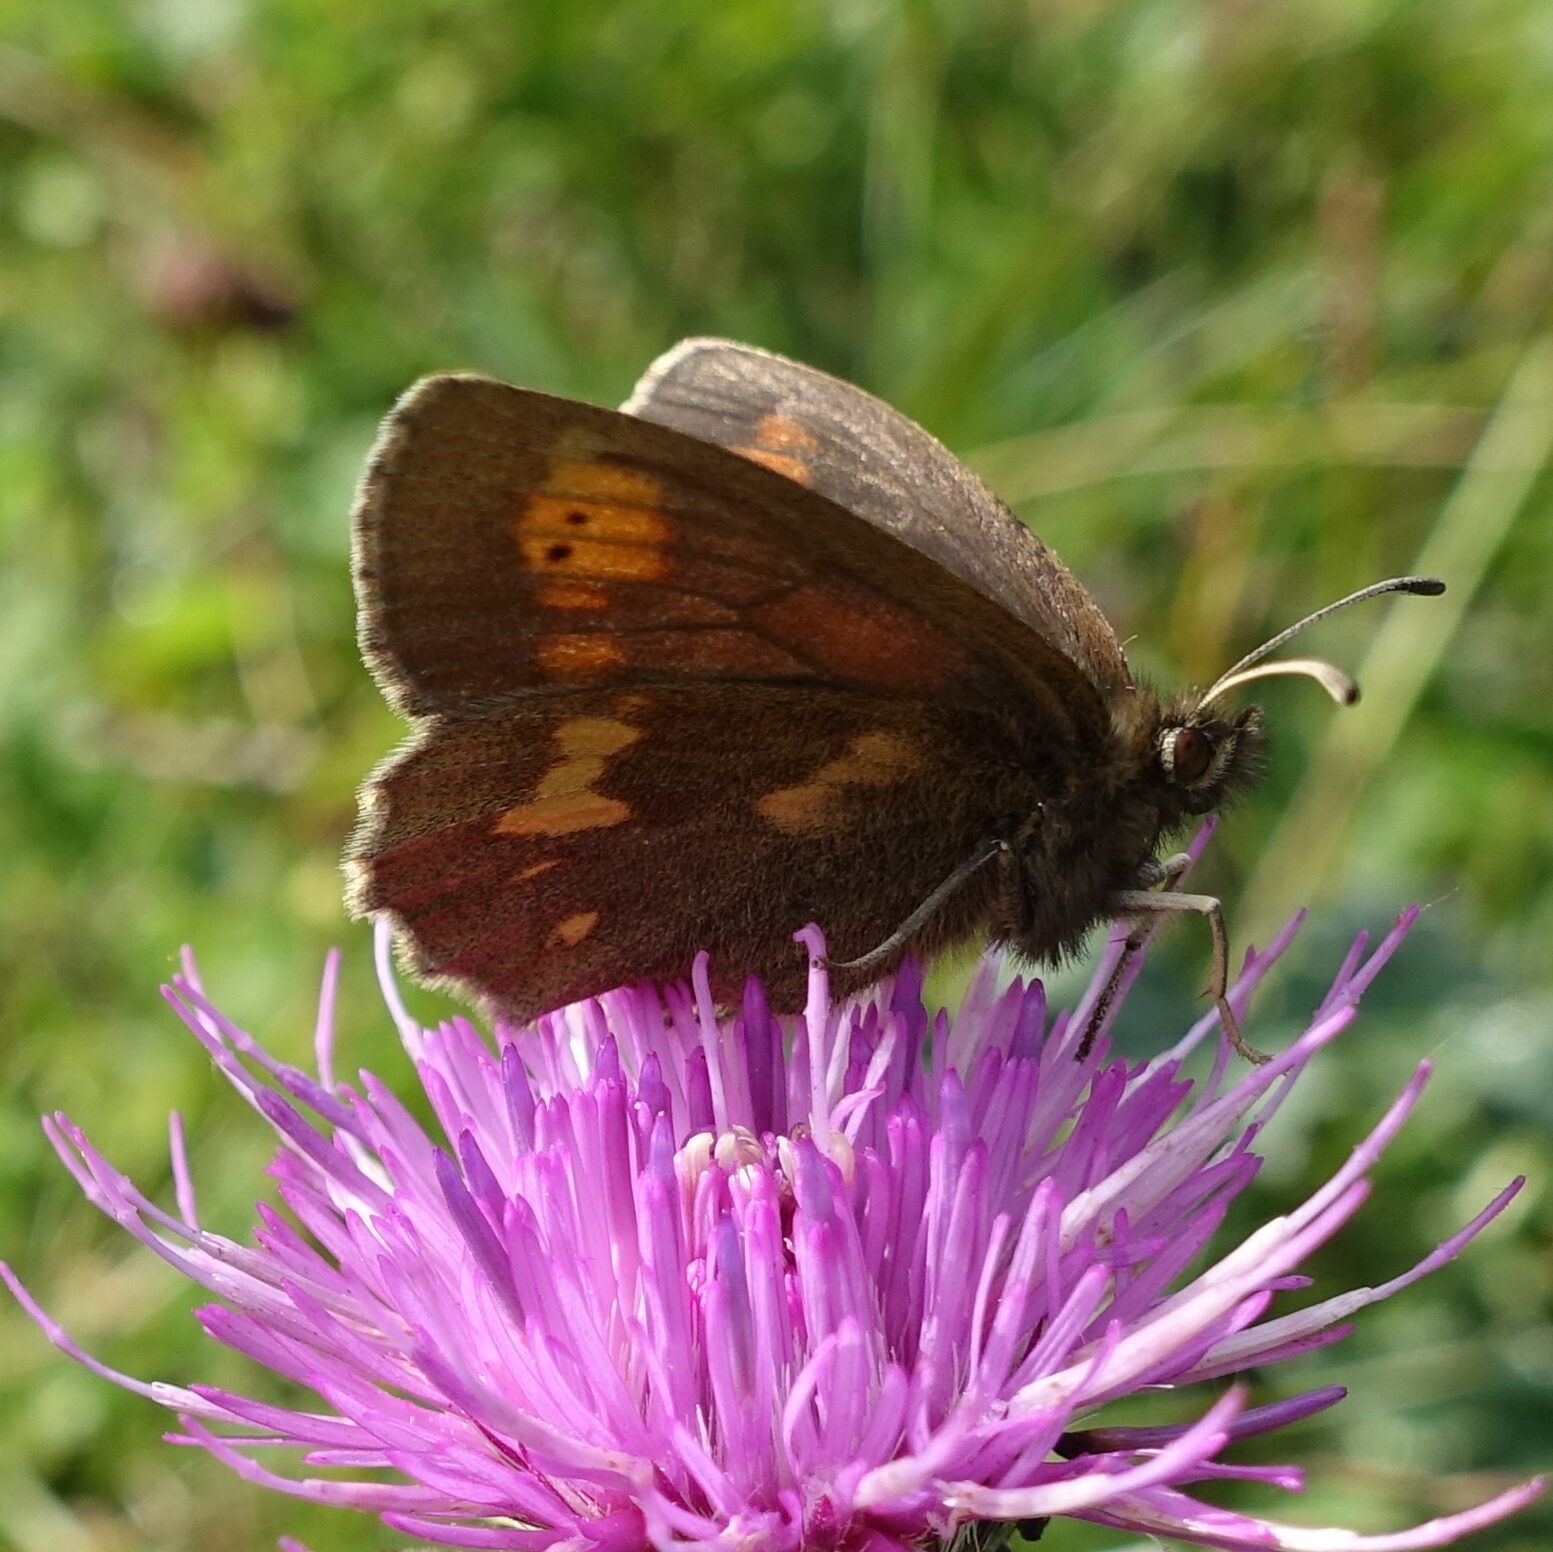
753	651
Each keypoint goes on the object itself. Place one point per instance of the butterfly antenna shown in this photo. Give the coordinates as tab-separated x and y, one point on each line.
923	913
1339	685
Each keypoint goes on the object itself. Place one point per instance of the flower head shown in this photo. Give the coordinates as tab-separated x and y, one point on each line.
670	1277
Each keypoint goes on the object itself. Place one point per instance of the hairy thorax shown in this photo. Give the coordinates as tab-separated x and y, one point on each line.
1093	835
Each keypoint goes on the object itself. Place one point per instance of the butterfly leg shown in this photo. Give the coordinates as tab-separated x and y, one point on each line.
1166	871
925	912
1143	902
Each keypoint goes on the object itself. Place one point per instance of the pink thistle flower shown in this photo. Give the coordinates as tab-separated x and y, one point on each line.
675	1279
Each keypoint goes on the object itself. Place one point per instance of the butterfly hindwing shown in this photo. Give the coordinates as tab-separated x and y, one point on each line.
530	853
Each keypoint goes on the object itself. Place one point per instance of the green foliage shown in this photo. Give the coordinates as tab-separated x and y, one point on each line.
1243	305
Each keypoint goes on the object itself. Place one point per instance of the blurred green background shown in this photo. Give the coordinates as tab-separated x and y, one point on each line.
1242	304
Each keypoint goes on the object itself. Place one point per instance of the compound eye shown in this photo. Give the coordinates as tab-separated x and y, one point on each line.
1187	754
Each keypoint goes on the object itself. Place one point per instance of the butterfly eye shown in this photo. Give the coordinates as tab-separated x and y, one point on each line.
1186	754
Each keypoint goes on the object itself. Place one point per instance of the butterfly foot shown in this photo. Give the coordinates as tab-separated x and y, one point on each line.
1231	1027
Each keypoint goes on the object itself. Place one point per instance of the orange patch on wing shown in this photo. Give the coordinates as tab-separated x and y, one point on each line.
784	433
564	800
801	810
551	554
578	655
538	868
593	519
859	636
572	595
586	742
781	444
564	815
783	463
571	932
873	759
612	520
596	479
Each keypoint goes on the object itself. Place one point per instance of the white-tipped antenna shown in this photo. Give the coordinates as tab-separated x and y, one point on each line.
1331	678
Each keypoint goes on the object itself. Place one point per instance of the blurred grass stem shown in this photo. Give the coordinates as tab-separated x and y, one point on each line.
1174	440
1314	835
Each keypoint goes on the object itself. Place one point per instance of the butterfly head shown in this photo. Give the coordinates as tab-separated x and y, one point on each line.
1204	757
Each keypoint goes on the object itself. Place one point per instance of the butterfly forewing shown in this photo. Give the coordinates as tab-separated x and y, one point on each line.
508	543
874	461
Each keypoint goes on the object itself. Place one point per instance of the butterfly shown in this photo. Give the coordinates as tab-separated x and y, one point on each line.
754	650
